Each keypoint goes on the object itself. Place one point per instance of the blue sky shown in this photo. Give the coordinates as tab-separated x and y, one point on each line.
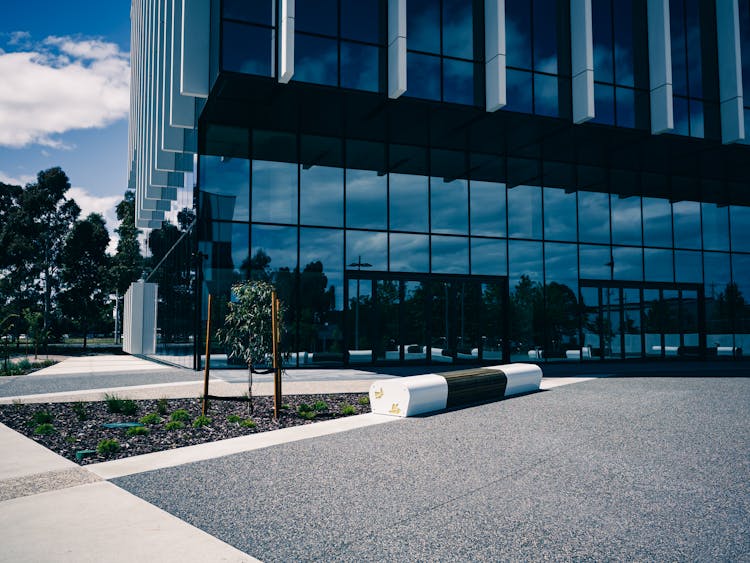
64	69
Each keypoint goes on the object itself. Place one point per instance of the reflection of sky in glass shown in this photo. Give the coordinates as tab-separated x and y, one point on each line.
488	257
279	243
604	104
409	202
423	25
626	220
518	33
316	60
559	209
657	222
360	66
424	76
545	36
519	91
687	224
628	263
716	272
524	258
449	206
410	253
715	227
658	265
458	29
687	266
326	246
525	212
601	15
366	199
255	12
458	82
230	177
316	16
371	248
247	49
594	262
740	223
228	247
274	192
593	217
623	14
322	196
545	95
741	273
450	255
360	20
487	208
561	262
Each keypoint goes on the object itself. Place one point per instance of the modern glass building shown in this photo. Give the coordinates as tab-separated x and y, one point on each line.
451	181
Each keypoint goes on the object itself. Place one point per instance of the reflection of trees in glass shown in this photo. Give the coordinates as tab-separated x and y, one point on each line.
526	314
661	316
719	311
415	323
387	299
561	318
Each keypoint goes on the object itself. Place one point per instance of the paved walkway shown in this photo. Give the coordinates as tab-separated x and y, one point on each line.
597	468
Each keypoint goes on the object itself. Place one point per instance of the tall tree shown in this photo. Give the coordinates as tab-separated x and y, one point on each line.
84	271
127	265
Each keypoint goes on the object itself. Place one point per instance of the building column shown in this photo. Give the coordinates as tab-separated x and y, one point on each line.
396	48
660	67
582	60
286	40
730	71
494	47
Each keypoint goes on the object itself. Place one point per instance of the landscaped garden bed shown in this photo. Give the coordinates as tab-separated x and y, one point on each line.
77	431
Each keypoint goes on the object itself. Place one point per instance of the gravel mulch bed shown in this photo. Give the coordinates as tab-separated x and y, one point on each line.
79	426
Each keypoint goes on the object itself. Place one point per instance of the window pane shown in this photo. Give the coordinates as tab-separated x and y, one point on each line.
679	59
458	29
423	25
593	213
247	49
595	262
316	16
316	60
625	107
687	266
601	14
449	203
518	33
681	116
367	247
361	20
604	104
696	118
366	199
458	82
658	265
519	91
715	227
360	66
559	214
525	259
450	255
274	249
623	42
409	203
227	255
322	196
260	11
657	222
545	95
224	186
424	76
561	263
628	263
740	221
487	208
488	257
525	212
626	220
687	224
409	253
274	192
545	36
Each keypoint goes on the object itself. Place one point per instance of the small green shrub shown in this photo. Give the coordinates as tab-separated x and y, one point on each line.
234	418
107	446
308	415
70	439
304	407
129	407
44	429
285	406
320	406
364	400
201	421
79	409
151	418
162	406
114	403
248	423
174	425
137	431
347	409
180	415
41	417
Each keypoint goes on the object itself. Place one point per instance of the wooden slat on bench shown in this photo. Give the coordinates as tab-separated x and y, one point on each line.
474	386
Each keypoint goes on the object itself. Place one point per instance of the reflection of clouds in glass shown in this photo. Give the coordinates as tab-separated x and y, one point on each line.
741	273
715	227
487	208
458	29
626	220
628	263
279	243
458	82
230	177
545	95
409	202
594	262
657	222
658	265
274	191
359	67
687	266
450	255
559	208
316	60
322	196
593	217
450	206
740	223
366	199
518	34
326	246
488	257
716	272
371	248
687	224
525	212
424	76
423	25
409	253
561	262
525	258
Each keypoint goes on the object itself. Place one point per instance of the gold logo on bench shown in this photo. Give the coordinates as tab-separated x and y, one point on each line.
394	409
379	393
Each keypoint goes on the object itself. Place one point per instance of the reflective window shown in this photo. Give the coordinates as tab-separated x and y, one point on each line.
423	25
450	255
657	222
247	49
525	259
424	76
274	249
525	212
316	16
366	199
559	214
322	196
715	226
409	203
740	222
449	205
561	263
361	20
487	208
658	265
625	107
595	262
716	273
458	82
360	66
488	257
518	34
519	91
458	29
604	104
545	35
368	248
687	266
227	255
225	188
601	14
274	192
593	217
626	220
628	263
687	224
316	60
545	95
260	12
409	253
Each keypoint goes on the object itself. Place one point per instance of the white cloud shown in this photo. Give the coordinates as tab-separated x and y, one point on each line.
104	205
21	180
58	85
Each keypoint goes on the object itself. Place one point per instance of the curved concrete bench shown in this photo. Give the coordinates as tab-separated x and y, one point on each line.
419	394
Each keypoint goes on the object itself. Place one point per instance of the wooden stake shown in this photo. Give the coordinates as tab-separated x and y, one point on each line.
275	351
208	359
